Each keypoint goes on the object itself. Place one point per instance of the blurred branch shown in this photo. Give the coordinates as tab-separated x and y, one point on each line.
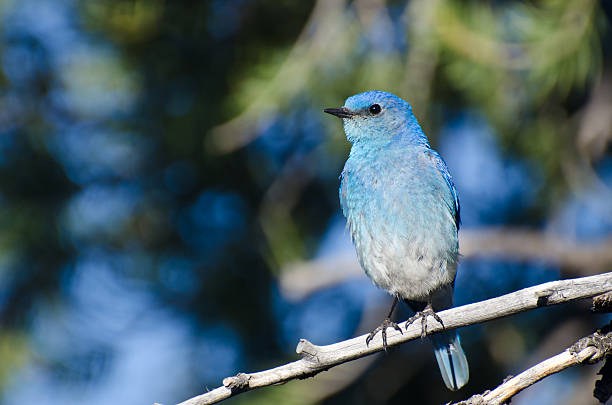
303	278
590	349
519	244
320	358
595	127
278	201
551	48
314	44
594	135
300	279
423	54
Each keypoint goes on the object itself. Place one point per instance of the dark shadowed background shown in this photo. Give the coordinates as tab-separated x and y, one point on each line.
169	211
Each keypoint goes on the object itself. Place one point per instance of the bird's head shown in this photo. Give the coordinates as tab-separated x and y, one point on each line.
378	116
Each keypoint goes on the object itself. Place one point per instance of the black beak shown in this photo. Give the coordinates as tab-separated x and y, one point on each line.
341	112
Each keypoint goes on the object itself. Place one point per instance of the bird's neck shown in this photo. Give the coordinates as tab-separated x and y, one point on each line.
413	133
409	138
370	155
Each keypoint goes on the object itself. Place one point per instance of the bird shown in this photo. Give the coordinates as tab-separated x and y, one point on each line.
403	213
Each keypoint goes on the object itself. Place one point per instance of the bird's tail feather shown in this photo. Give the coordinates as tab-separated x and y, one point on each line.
451	359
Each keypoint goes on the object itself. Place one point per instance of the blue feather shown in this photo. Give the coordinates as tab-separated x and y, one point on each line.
451	359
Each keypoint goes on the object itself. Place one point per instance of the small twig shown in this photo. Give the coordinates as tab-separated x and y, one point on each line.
590	349
320	358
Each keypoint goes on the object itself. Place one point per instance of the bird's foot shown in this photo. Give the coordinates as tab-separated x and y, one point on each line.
428	311
383	329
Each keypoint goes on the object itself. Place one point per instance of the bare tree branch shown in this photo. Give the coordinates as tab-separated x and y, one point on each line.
590	349
320	358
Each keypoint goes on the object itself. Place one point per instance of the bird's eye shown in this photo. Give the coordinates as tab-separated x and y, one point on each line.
375	109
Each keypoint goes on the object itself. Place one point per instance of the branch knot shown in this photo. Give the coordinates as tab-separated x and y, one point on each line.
543	297
238	383
600	340
307	350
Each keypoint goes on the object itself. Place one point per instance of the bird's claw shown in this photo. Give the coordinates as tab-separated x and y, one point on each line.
428	311
383	329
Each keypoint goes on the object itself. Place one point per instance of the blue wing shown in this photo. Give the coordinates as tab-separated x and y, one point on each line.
342	192
440	164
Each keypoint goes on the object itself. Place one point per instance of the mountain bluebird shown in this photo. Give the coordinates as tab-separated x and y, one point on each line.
403	213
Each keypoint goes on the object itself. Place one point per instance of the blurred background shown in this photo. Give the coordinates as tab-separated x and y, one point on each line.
169	190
